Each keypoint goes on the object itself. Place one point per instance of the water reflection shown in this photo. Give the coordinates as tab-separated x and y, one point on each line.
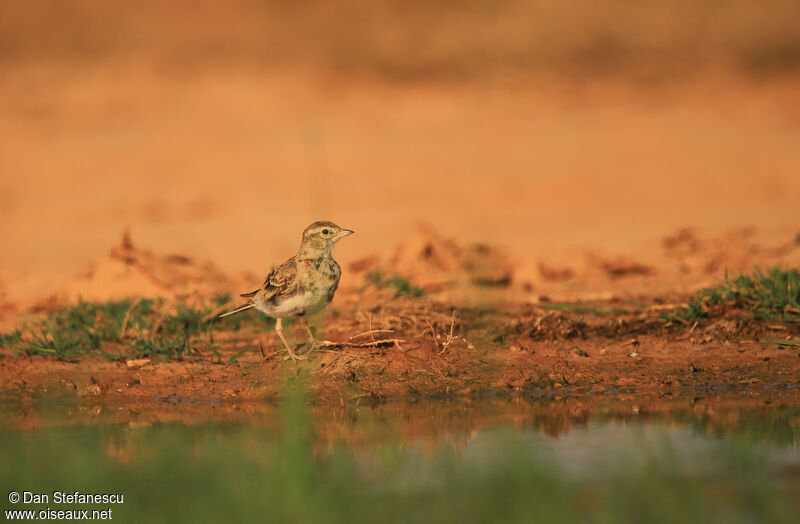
769	416
771	419
572	458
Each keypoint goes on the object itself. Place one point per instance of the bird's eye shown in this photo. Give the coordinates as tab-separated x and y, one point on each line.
325	231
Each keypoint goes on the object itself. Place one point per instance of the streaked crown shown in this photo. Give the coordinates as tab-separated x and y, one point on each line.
322	236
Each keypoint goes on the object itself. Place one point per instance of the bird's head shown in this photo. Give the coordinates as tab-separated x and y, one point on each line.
320	237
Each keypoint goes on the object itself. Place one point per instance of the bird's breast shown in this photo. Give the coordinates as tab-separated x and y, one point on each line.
320	271
321	278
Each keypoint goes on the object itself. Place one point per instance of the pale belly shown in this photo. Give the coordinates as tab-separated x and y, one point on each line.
307	303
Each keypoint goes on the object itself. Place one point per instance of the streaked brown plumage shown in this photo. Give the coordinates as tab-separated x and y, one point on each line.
302	285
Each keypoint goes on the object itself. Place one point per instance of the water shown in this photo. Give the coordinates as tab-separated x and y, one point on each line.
621	458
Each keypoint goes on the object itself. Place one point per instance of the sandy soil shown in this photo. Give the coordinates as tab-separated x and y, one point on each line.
230	167
529	191
478	331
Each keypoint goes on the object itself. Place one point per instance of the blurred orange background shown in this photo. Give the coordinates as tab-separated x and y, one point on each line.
220	130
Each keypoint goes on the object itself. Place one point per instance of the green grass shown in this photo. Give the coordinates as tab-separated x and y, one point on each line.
774	295
402	287
127	328
204	473
8	339
584	309
784	343
82	328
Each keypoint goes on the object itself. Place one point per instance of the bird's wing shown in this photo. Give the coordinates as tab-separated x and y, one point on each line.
280	281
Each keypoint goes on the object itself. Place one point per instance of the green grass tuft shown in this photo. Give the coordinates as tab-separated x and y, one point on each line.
8	339
774	295
584	309
82	328
123	329
402	287
784	343
222	299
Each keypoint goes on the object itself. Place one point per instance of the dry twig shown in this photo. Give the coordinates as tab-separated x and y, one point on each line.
127	317
385	342
450	335
541	319
371	332
433	333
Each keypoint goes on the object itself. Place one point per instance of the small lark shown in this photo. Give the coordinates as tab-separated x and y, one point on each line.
302	285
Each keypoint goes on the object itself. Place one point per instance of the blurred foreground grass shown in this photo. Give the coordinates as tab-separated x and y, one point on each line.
173	473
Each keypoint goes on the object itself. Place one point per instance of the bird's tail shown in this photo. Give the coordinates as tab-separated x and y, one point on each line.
243	308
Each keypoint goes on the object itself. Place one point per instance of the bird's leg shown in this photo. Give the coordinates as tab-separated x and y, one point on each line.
313	325
311	338
279	330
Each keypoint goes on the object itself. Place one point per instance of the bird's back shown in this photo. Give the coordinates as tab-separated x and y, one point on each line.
306	282
297	287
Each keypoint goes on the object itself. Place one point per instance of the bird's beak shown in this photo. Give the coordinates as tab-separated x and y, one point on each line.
345	232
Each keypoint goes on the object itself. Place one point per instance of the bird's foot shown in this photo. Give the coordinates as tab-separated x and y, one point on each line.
294	356
313	343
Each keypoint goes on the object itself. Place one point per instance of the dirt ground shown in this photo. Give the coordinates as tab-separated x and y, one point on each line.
477	331
521	156
230	167
556	221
